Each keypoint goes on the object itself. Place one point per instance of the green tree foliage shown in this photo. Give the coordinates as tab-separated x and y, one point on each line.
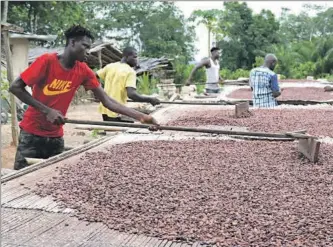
47	17
302	42
210	19
183	71
170	37
246	35
155	28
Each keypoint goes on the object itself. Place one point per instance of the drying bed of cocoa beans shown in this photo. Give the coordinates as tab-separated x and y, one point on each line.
317	122
297	81
289	93
231	193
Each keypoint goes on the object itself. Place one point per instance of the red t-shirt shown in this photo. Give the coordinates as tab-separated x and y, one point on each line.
55	87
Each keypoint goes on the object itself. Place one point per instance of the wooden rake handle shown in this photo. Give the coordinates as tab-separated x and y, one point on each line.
293	135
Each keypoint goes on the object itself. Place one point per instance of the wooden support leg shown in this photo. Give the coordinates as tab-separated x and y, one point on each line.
309	148
242	110
174	97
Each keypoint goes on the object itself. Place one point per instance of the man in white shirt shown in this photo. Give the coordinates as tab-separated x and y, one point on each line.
212	66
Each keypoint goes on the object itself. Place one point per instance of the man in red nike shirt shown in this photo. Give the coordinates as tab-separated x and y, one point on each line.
54	80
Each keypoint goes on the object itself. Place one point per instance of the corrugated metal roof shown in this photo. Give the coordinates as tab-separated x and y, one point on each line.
149	64
110	54
32	36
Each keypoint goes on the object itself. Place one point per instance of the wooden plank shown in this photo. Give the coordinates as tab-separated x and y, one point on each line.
37	227
57	232
122	238
136	241
102	228
309	148
103	235
10	77
298	135
11	219
14	196
17	202
5	26
92	127
146	242
163	243
93	236
43	203
20	221
100	59
69	232
94	229
154	242
29	201
176	244
196	244
242	109
168	244
10	194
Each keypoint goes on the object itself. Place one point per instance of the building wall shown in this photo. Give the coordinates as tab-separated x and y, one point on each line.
20	48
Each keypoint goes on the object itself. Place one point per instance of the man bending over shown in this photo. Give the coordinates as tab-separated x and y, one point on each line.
120	82
54	80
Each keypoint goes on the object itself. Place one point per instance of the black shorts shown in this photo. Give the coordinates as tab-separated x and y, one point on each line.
32	146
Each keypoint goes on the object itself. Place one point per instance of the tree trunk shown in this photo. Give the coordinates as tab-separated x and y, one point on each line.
209	41
30	19
4	11
35	21
10	78
100	59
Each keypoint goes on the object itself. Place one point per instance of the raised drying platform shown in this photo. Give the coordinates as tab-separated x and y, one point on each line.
31	220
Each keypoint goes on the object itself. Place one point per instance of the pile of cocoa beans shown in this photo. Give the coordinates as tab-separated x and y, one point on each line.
317	122
289	93
231	193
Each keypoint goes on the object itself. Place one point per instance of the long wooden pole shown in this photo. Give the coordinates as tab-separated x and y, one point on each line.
235	102
223	102
10	77
198	130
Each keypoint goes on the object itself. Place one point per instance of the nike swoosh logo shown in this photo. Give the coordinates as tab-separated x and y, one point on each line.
49	92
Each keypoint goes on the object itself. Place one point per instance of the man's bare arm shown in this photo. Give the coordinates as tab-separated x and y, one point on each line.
18	89
133	95
114	106
203	63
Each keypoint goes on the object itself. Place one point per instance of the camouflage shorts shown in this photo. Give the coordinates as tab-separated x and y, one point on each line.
32	146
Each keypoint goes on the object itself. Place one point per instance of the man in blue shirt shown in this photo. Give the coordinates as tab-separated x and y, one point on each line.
264	84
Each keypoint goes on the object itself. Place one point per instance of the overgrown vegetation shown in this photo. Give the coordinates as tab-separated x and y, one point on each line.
183	70
4	84
146	84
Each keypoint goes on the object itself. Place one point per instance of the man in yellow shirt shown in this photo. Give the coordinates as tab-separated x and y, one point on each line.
120	82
